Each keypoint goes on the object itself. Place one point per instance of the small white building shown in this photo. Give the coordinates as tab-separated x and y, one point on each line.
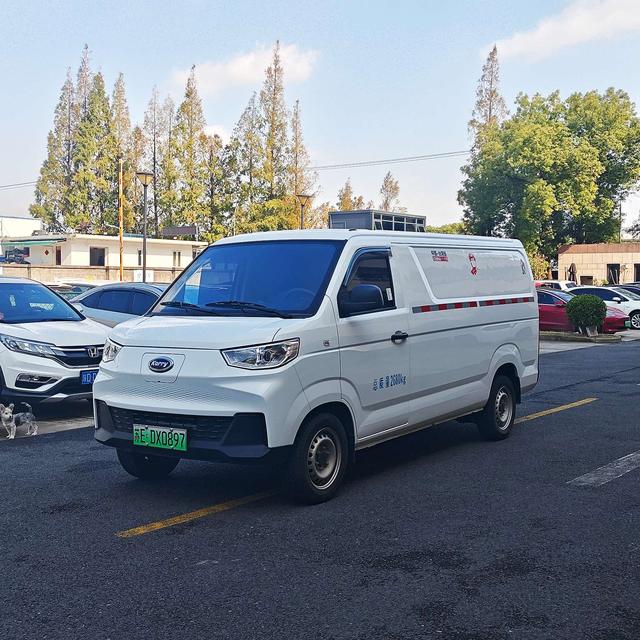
76	250
18	226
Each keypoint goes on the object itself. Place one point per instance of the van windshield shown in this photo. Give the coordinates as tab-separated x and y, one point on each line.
285	278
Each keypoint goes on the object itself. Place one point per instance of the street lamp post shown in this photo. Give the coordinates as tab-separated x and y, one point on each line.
145	180
304	199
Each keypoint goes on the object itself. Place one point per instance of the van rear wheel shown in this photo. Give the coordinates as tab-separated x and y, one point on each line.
146	467
497	418
319	460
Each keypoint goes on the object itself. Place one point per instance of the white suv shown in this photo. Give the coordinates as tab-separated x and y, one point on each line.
615	297
48	350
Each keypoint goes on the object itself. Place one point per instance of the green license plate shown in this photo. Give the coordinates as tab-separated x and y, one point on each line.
146	435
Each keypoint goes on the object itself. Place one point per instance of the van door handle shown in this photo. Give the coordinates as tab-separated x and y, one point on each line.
399	336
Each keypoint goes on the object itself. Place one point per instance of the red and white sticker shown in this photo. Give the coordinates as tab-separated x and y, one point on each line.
439	256
474	264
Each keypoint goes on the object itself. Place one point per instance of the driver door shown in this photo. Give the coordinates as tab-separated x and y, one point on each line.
374	354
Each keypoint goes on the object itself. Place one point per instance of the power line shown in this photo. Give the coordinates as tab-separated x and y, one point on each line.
17	185
324	167
373	163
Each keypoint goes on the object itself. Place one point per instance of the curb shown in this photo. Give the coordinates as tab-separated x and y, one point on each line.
561	336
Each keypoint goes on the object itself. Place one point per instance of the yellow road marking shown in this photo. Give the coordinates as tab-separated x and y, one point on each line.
193	515
238	502
562	407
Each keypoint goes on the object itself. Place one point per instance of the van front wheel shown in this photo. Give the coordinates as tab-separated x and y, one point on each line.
496	419
145	466
319	460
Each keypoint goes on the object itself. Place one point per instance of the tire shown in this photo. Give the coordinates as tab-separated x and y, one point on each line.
496	419
146	467
319	460
634	320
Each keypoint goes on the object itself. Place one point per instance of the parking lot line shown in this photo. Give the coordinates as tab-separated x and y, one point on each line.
562	407
608	472
193	515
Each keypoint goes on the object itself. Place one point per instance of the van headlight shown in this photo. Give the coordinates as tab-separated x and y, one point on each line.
28	346
263	356
111	350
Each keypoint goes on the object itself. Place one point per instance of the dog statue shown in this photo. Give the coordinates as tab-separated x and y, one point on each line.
11	421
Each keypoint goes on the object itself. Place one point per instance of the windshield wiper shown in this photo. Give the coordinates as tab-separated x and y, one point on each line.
178	304
240	304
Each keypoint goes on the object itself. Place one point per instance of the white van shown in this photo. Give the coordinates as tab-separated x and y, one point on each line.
304	346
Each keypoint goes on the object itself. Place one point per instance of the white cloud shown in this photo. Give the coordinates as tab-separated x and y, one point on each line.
248	69
218	129
580	22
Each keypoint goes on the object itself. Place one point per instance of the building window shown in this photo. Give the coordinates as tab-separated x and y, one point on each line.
636	272
97	256
613	273
58	256
139	257
177	258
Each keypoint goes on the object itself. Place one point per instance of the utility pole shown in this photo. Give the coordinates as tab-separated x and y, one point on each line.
145	179
120	219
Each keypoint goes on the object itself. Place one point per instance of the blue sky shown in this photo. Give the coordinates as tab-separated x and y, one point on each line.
375	79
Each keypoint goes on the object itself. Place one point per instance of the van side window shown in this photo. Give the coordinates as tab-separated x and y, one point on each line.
371	275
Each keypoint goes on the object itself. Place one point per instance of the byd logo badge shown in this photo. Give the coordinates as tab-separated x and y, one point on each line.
161	365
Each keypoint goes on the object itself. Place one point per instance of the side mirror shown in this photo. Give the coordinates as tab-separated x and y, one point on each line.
78	306
362	298
559	304
616	299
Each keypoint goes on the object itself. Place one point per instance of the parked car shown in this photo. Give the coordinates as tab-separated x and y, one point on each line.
634	288
48	350
113	303
64	290
560	285
303	346
553	313
618	298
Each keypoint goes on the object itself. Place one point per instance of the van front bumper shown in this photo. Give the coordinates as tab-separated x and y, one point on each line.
238	438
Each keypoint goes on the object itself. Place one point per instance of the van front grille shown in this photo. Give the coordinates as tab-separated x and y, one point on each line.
212	428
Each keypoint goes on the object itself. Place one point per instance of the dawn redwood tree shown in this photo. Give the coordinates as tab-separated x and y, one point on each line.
490	108
190	154
93	193
274	122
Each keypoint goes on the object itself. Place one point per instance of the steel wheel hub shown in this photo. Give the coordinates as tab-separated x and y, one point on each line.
503	408
324	458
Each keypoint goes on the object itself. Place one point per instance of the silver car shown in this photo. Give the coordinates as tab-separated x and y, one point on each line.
111	304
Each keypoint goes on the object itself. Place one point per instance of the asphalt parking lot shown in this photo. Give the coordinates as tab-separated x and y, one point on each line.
436	535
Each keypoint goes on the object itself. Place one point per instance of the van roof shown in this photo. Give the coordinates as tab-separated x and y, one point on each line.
387	236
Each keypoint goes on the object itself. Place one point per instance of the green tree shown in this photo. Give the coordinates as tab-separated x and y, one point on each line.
274	122
554	172
84	84
247	155
57	169
301	179
190	154
153	138
216	192
166	191
455	228
93	192
121	122
347	201
390	193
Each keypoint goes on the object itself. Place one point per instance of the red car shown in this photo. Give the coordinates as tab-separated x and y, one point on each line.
553	314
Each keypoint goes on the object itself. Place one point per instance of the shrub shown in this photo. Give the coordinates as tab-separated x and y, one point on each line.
586	311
